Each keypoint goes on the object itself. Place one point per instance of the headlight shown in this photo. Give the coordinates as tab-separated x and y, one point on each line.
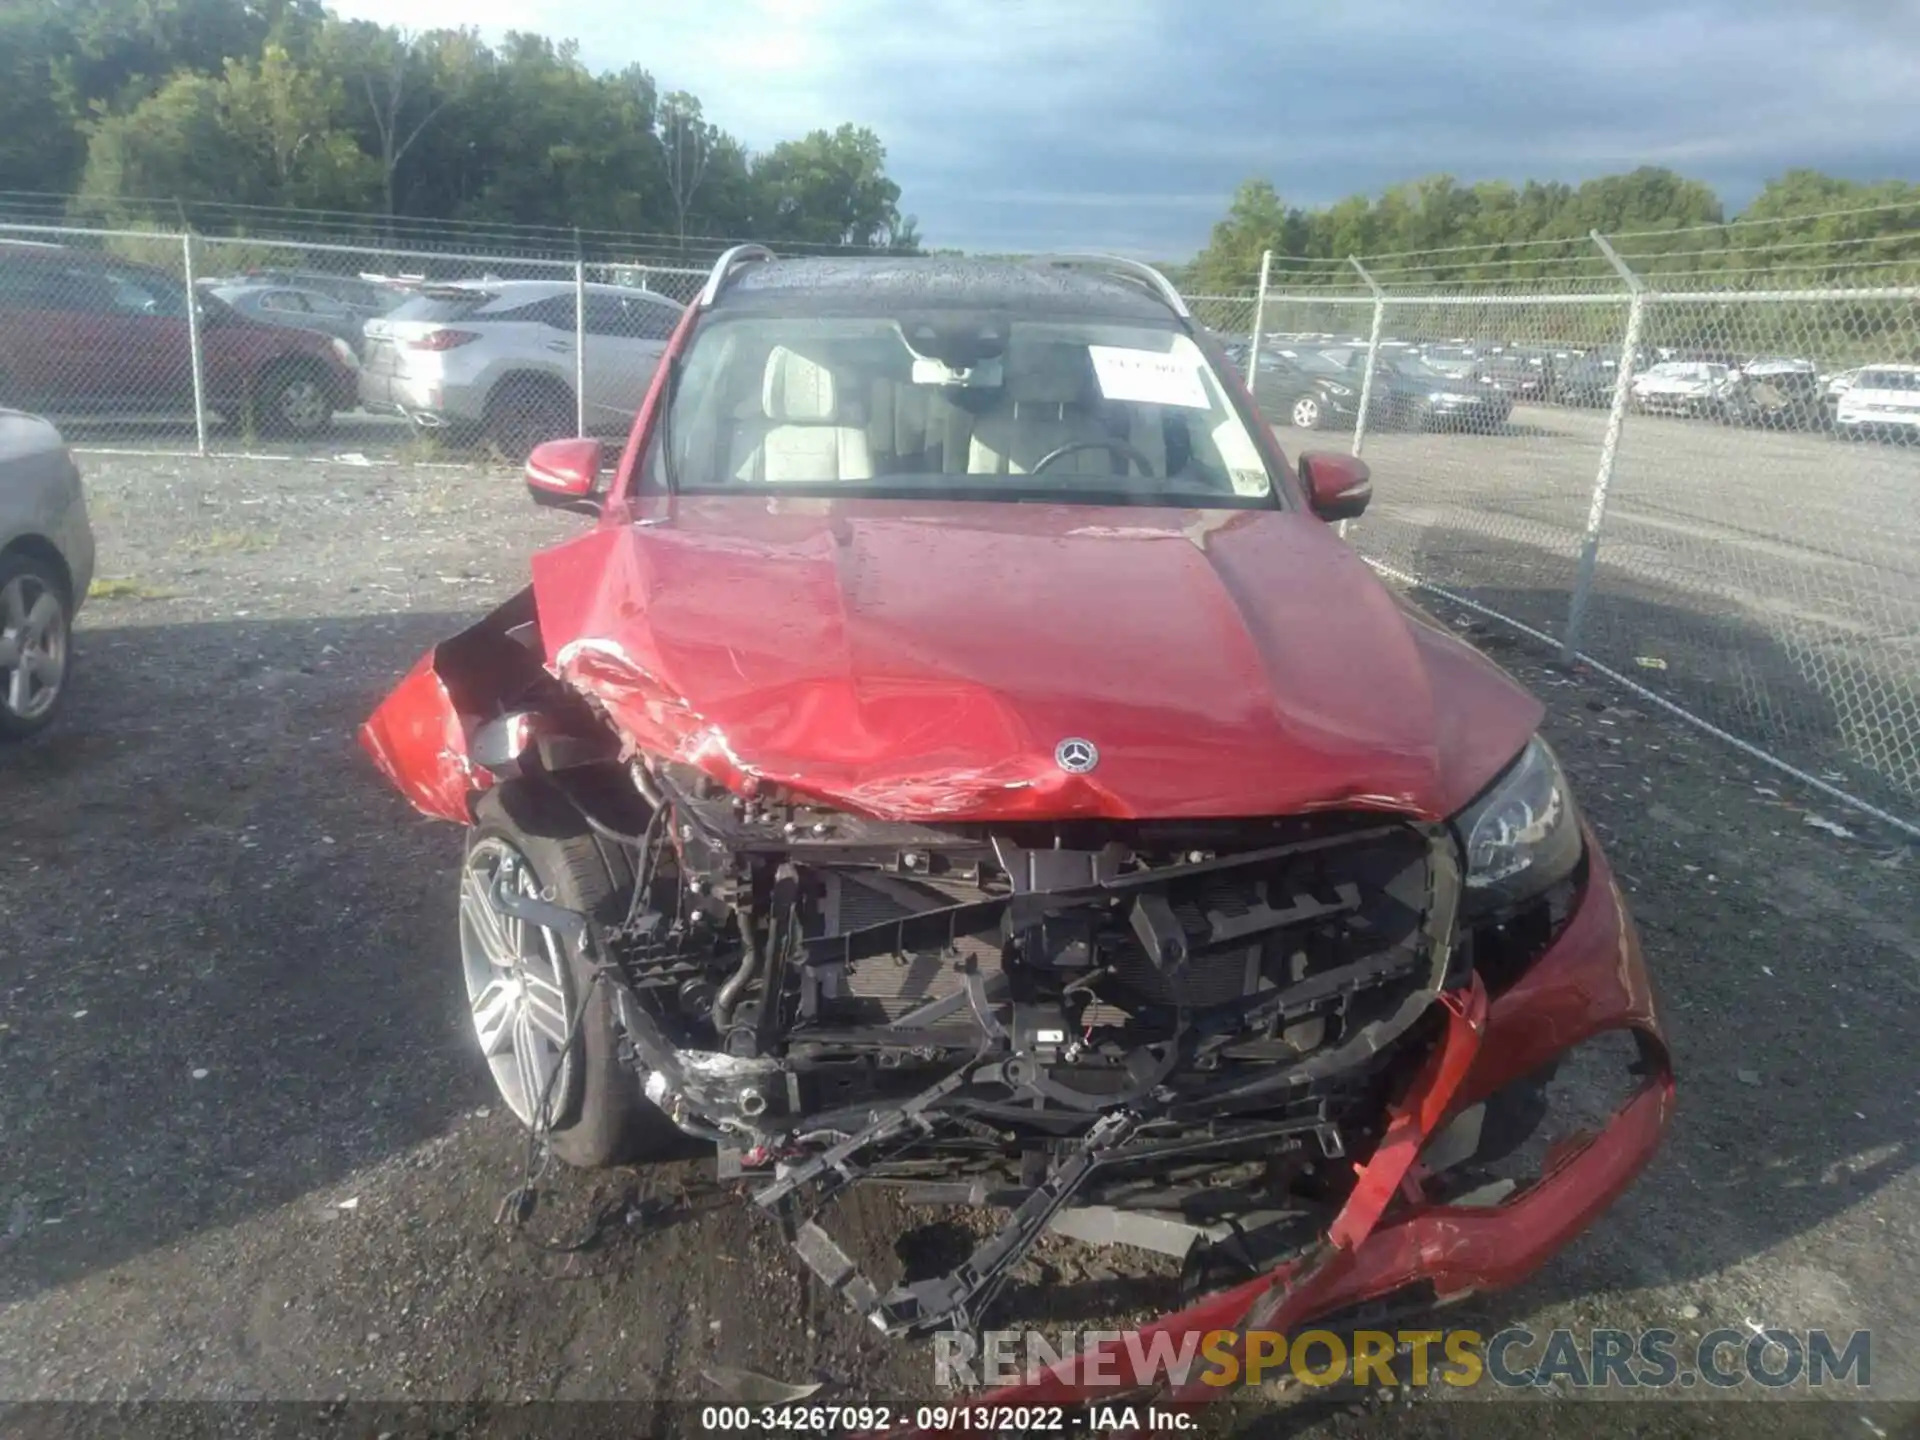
1523	834
345	353
1333	389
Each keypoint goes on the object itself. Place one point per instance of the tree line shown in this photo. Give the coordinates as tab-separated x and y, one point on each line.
1453	234
218	105
228	110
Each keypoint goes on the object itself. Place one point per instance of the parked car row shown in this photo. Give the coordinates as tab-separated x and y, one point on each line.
1309	381
83	333
1319	388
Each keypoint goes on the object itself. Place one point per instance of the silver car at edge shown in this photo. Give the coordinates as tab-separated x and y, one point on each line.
46	565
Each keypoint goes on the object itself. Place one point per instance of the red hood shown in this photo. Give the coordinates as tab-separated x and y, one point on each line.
923	660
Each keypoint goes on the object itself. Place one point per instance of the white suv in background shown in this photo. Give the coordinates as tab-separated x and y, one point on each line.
1882	400
497	358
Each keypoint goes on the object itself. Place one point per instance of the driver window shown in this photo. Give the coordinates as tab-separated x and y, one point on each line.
145	295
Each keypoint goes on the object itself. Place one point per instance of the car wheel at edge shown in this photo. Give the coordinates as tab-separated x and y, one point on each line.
1307	414
36	645
525	410
525	983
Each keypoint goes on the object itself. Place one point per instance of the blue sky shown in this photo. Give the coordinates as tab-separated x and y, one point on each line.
1033	124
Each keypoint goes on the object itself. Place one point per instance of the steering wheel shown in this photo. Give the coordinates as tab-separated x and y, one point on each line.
1116	447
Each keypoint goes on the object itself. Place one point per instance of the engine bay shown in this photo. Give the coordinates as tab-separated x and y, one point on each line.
1199	1021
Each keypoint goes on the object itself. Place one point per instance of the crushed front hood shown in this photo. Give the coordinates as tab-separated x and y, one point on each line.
926	660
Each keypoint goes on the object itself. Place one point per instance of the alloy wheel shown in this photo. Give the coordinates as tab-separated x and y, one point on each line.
33	647
302	405
519	990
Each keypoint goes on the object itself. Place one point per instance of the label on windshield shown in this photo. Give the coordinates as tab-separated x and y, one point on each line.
1148	377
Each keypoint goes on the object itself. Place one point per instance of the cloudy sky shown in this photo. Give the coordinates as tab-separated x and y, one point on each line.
1029	124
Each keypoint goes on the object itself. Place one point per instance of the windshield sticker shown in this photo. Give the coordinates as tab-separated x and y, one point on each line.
1148	377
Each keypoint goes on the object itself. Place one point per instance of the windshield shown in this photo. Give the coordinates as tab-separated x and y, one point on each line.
1888	380
1413	369
967	404
1314	362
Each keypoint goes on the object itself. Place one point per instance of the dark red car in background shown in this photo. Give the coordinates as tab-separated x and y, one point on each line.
84	333
962	756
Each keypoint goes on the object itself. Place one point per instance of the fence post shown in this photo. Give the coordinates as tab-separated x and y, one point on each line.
579	338
193	343
1609	450
1373	354
1259	318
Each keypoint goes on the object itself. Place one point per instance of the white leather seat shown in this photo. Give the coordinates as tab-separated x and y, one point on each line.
806	431
1047	403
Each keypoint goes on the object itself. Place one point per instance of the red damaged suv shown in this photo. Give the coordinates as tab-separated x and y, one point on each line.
963	757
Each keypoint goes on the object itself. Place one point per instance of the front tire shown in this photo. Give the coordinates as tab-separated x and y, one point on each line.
525	984
292	400
36	645
1307	413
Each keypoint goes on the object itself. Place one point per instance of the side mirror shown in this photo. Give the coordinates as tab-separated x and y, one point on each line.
565	474
1338	486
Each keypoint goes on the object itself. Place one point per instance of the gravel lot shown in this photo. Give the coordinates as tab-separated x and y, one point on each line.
246	1152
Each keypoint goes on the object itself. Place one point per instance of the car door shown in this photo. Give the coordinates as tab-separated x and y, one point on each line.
146	326
50	351
76	353
626	336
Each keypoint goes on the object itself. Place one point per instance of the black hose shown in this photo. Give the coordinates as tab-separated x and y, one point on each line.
729	994
643	867
649	789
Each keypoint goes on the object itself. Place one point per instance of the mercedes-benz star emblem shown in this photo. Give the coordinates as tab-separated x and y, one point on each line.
1075	756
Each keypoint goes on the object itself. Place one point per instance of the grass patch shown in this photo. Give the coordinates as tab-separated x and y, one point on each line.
232	542
126	590
423	447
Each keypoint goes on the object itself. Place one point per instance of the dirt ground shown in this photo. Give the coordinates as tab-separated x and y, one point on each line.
247	1153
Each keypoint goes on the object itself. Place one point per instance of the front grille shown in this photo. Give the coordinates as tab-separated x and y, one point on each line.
1346	919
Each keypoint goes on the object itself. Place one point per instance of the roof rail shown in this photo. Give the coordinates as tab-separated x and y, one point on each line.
1122	268
724	267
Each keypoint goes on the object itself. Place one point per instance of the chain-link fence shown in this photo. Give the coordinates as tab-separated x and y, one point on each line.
1712	495
296	344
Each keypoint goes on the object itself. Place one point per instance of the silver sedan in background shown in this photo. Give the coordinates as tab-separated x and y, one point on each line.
46	565
295	308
